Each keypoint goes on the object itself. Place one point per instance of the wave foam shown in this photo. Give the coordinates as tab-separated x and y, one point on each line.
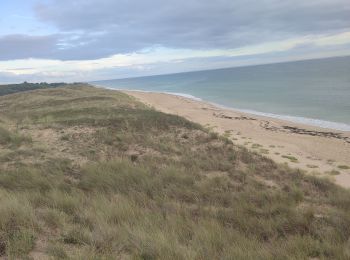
295	119
300	120
183	95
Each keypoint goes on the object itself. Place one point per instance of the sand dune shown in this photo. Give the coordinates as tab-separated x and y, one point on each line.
316	150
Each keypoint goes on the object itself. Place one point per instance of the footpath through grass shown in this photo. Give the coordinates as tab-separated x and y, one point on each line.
87	173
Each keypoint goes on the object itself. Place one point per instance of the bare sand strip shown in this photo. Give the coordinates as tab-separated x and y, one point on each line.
316	150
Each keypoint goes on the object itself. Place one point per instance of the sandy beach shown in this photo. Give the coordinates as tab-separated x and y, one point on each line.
318	151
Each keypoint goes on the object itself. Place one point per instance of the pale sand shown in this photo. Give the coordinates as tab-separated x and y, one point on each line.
315	154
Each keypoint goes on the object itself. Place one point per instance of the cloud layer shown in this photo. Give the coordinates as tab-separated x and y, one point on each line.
92	29
105	34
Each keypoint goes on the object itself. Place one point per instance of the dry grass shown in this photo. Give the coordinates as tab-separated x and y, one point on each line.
290	158
115	179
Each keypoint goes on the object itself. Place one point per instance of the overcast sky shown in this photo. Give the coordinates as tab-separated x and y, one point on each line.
84	40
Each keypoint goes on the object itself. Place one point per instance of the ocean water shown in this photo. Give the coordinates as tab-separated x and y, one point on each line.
314	92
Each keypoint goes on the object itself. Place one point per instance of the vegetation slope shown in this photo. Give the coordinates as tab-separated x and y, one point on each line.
87	173
26	86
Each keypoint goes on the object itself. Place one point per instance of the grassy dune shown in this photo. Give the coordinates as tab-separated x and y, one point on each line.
87	173
15	88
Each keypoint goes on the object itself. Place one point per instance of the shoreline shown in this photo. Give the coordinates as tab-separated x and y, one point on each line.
317	150
311	122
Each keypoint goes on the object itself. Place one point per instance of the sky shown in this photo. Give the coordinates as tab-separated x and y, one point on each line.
85	40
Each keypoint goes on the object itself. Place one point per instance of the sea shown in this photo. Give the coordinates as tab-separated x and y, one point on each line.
312	92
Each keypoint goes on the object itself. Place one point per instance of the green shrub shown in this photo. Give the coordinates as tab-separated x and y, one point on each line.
23	179
57	251
20	243
13	139
290	158
17	225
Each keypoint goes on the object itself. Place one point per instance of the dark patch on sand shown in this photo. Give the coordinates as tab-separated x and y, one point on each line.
301	131
221	115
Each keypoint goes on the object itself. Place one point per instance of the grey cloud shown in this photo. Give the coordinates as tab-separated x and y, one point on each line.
133	24
196	16
91	29
26	46
57	46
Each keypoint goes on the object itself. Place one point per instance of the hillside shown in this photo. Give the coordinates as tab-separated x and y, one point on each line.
26	86
88	173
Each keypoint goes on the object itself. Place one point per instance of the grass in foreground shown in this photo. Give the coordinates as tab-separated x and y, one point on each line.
92	174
